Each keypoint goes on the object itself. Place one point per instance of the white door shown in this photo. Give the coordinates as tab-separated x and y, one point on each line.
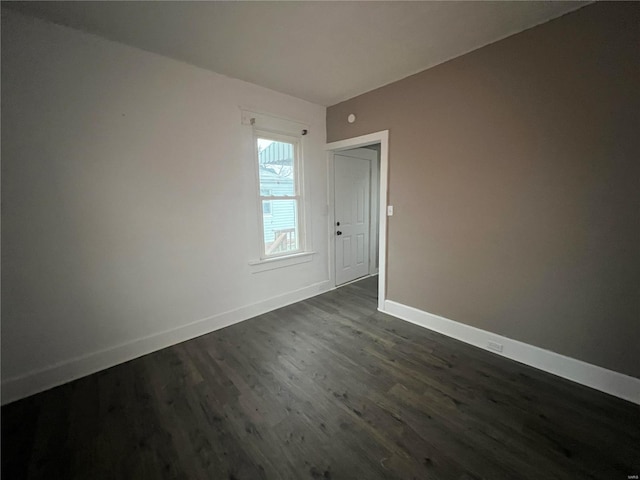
352	185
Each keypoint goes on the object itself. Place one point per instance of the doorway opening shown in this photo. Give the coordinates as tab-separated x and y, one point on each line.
357	210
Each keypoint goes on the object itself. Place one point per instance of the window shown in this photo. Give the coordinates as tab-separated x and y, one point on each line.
280	194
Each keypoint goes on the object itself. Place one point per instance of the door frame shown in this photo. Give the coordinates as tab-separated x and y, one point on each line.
382	138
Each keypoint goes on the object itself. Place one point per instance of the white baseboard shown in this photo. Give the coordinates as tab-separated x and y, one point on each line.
608	381
39	380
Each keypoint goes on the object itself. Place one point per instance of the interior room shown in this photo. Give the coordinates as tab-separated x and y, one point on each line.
348	240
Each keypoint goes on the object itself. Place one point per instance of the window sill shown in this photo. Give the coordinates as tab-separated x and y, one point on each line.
280	262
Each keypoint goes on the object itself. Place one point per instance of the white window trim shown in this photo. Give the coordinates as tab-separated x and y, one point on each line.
302	254
280	262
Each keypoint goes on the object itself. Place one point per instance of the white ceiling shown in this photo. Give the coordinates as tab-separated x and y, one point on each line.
323	52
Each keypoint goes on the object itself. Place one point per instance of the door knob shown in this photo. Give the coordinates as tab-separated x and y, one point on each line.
338	232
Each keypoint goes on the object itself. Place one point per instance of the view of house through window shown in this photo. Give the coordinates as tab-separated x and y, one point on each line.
278	166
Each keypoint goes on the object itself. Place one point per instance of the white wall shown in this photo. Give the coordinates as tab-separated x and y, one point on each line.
128	203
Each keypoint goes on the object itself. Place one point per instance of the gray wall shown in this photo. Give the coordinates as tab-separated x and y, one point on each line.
129	203
515	176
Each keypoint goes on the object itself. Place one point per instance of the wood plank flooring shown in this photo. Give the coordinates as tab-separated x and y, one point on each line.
327	388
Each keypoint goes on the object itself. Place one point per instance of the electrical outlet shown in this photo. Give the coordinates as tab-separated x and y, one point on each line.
496	347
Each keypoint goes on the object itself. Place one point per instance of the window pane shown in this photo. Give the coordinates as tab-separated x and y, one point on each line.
276	164
281	227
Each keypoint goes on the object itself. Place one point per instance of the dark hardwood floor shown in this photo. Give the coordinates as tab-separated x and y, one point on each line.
328	388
